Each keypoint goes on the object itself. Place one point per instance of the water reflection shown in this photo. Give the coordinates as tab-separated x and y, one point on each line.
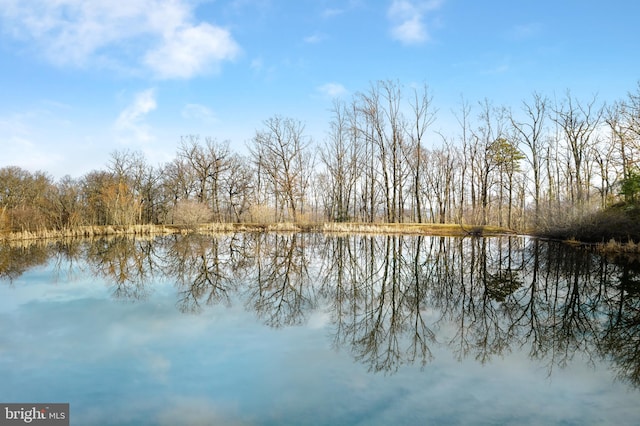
200	268
16	259
387	297
129	264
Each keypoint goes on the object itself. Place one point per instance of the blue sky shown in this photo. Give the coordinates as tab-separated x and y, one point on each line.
83	78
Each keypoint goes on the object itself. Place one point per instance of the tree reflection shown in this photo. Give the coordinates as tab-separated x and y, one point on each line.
621	340
567	302
16	259
129	264
200	267
280	287
390	299
379	299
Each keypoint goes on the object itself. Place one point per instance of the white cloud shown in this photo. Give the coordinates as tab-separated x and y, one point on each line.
98	32
130	125
332	90
411	31
408	20
191	51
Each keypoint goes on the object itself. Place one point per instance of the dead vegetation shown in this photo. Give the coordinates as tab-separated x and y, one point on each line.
612	230
218	228
89	232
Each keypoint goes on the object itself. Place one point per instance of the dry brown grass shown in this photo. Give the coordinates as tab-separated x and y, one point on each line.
620	223
89	231
413	229
219	228
262	214
216	228
613	246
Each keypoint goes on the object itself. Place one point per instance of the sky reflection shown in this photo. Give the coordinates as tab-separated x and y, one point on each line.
148	362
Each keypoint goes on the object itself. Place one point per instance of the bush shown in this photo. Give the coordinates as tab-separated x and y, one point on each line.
261	213
620	223
191	213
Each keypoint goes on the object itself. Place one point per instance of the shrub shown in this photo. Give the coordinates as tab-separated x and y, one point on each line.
191	213
261	213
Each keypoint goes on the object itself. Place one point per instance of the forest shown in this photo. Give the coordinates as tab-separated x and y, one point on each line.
544	165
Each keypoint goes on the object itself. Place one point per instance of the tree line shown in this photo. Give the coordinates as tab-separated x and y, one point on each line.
541	163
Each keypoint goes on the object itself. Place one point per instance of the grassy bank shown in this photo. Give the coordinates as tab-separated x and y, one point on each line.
88	232
440	229
217	228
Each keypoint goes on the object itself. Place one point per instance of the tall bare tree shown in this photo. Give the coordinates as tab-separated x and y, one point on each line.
282	156
530	132
578	122
491	131
341	156
384	128
423	115
209	164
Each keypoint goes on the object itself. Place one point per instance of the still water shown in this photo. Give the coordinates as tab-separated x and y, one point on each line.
272	329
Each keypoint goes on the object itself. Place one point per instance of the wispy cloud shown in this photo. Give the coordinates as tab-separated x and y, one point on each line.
130	125
408	20
526	31
332	90
262	70
257	64
198	112
29	155
22	143
100	33
498	69
330	12
345	7
315	38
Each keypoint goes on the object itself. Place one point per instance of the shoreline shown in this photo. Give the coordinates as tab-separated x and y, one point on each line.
345	228
431	229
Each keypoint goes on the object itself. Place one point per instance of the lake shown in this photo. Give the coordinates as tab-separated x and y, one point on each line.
312	329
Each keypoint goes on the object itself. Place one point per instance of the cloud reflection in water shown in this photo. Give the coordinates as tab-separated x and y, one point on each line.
273	329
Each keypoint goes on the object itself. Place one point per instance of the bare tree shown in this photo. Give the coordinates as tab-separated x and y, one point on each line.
530	132
578	122
490	132
342	157
176	183
27	200
281	155
469	153
209	164
141	180
423	115
623	119
238	188
438	176
384	128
